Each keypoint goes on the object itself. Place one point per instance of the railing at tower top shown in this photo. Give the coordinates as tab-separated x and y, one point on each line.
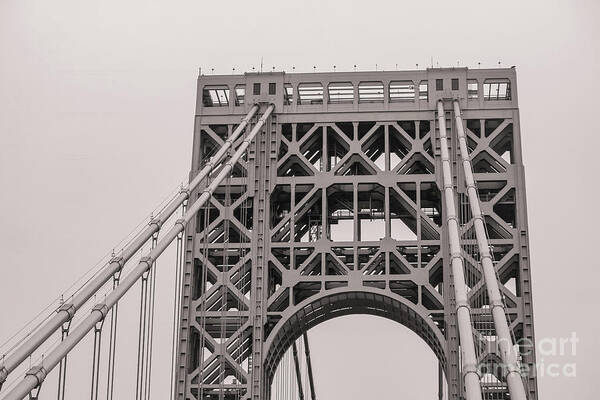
38	373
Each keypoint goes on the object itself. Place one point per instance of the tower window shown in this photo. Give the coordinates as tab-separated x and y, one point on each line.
310	93
240	94
402	91
256	89
288	94
272	88
340	92
370	92
472	89
423	90
496	89
215	96
439	84
454	83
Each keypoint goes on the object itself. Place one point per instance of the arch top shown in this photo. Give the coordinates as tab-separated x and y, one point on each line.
331	304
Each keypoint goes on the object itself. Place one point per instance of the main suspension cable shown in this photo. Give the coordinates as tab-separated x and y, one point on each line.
498	309
35	378
471	376
48	327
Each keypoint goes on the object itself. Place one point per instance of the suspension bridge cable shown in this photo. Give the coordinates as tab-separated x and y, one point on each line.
464	322
34	379
61	299
144	333
177	304
96	360
112	345
50	326
150	332
8	364
311	381
50	345
297	368
62	370
498	311
139	383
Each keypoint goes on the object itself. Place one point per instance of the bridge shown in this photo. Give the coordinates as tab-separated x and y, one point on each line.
311	196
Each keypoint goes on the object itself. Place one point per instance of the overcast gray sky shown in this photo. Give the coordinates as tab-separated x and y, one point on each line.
96	114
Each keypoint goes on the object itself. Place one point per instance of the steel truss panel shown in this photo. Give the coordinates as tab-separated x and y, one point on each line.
337	210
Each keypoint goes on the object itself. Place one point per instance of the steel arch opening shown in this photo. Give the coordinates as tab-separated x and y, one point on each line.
356	357
311	313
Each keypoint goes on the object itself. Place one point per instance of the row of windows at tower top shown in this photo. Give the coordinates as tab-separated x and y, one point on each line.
344	92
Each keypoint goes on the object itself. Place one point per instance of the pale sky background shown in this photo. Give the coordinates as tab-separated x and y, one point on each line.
96	114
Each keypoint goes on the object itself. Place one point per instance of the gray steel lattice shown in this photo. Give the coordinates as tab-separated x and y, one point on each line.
356	149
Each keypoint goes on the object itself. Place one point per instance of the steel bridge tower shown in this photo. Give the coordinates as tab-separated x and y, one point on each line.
341	206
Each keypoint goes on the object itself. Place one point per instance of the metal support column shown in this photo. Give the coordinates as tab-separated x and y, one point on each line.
265	162
465	326
505	342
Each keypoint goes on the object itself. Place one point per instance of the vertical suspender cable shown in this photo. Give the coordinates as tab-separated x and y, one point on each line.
67	311
505	343
139	383
112	346
150	332
177	305
305	387
463	316
96	360
62	370
145	333
440	382
311	381
298	374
